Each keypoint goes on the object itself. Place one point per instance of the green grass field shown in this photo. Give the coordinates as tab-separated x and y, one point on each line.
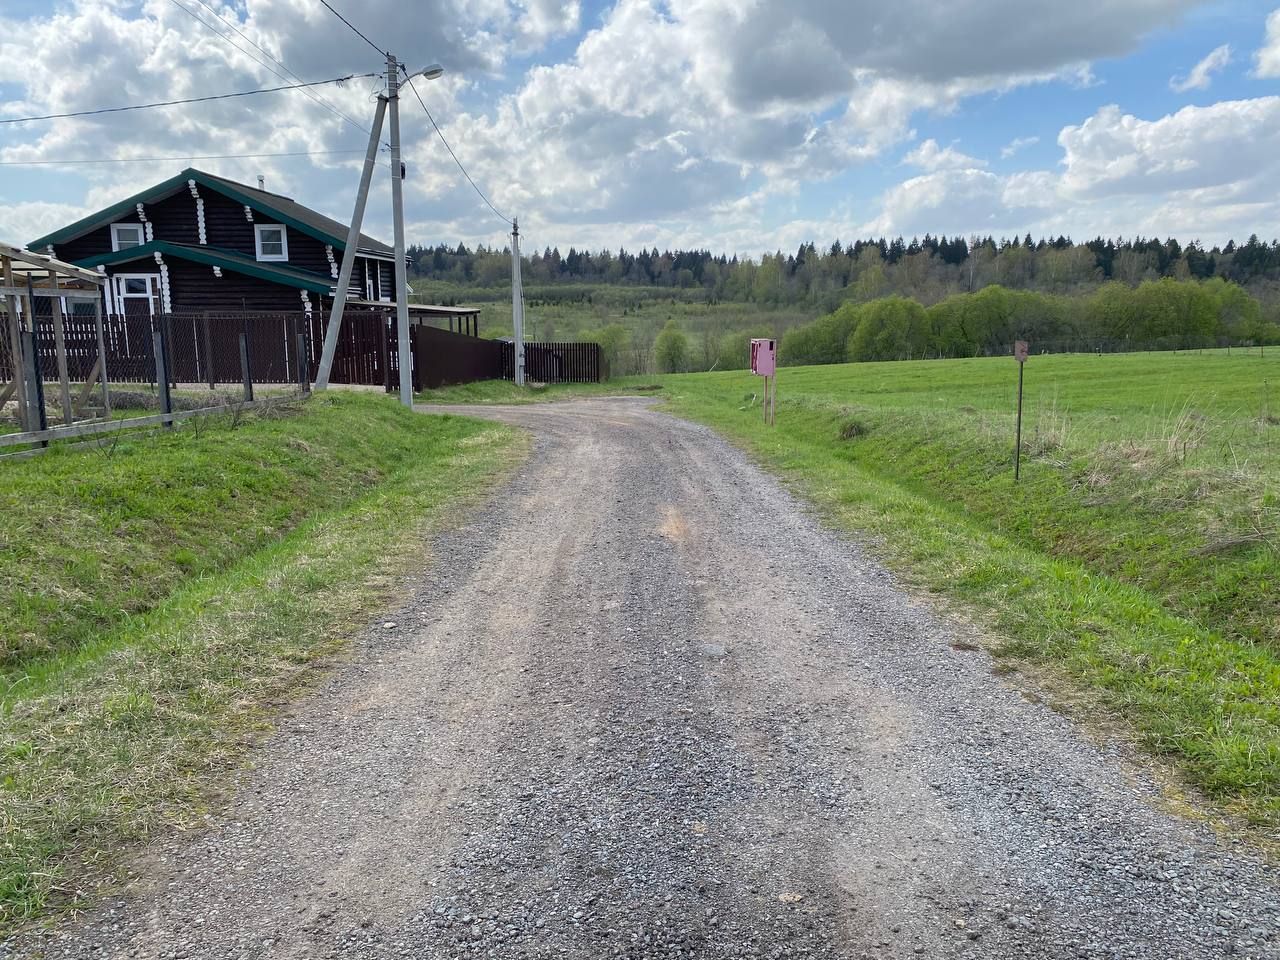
1140	553
156	602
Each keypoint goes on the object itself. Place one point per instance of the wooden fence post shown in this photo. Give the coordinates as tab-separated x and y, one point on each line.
245	373
304	367
102	358
60	349
15	342
167	340
36	418
208	354
160	346
384	356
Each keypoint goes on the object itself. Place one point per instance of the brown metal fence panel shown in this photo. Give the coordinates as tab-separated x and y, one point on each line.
577	362
204	348
441	358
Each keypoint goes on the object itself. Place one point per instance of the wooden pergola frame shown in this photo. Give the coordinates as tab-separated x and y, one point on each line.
24	276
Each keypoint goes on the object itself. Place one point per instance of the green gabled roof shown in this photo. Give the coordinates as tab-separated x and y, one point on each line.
284	209
218	257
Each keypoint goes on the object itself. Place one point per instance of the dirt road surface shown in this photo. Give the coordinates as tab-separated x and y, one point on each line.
643	705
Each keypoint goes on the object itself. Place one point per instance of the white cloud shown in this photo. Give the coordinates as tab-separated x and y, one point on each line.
944	202
22	220
665	115
1201	75
1016	145
1196	147
1267	59
930	156
1200	172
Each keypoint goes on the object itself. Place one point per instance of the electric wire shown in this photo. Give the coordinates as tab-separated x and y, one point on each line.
353	28
206	156
171	103
258	60
436	127
283	66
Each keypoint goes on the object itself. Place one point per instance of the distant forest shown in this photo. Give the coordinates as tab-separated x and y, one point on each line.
927	270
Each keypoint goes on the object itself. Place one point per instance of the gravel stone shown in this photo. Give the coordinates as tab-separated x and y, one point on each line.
644	705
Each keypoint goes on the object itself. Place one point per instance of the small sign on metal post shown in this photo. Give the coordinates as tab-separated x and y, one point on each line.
1021	349
764	363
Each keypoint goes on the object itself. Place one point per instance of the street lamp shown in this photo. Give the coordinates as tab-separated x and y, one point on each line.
432	72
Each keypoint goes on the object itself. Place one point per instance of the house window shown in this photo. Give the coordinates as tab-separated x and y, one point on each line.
125	235
270	241
135	294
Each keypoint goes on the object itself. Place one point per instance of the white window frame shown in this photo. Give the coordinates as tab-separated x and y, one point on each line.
257	241
118	281
115	236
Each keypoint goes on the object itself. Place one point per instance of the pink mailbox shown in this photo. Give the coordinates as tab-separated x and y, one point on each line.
764	355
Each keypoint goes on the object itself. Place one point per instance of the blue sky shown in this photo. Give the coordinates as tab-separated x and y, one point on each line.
738	125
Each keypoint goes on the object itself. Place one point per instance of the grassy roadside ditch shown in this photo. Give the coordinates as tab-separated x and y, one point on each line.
1140	554
506	392
157	602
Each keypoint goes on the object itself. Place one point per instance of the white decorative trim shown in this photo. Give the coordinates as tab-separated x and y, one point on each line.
166	306
49	248
306	302
217	271
333	264
199	211
248	213
147	230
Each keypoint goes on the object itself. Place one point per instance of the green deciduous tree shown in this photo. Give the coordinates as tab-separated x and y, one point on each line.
822	341
671	349
892	328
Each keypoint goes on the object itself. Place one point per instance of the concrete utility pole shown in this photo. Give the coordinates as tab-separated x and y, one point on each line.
391	97
397	216
517	305
349	254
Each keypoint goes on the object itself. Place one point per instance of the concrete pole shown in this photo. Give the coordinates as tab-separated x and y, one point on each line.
517	305
349	254
397	215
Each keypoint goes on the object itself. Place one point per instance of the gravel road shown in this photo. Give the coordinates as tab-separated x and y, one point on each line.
644	705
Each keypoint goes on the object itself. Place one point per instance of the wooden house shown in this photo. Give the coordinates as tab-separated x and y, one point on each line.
198	243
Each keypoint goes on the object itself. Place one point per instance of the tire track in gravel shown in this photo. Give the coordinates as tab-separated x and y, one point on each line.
613	721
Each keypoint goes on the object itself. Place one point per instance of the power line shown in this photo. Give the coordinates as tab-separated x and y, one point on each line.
478	191
318	99
206	156
353	27
239	49
171	103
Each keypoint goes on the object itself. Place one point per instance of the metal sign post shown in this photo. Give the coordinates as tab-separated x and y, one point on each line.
1020	351
764	363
